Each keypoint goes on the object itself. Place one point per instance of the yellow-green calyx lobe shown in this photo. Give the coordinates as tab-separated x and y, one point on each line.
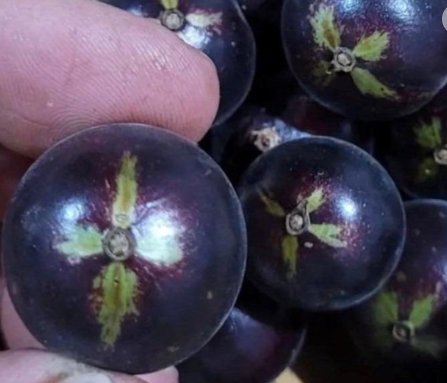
328	35
392	326
169	4
126	196
428	136
115	289
299	221
116	292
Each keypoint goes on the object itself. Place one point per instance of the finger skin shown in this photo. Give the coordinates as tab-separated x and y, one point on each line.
18	338
70	64
36	366
12	167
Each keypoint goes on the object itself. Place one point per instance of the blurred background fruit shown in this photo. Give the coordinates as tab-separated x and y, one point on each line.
367	60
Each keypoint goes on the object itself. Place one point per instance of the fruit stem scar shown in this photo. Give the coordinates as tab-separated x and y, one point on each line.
343	61
403	331
298	221
173	19
266	139
440	155
119	244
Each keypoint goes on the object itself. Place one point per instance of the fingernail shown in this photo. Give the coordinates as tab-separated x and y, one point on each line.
92	377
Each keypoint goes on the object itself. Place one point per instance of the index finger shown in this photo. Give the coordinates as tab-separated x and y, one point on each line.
71	64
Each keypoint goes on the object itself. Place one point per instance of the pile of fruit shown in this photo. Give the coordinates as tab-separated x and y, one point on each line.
312	216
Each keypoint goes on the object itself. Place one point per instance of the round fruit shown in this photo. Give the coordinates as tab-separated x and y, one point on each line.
368	60
415	151
273	87
251	133
325	223
115	239
256	343
301	111
405	321
216	27
250	6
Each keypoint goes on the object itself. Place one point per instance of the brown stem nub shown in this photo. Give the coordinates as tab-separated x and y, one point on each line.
173	19
298	220
343	61
266	139
403	331
440	155
119	244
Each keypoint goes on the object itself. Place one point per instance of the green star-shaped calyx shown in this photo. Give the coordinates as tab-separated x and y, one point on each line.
390	328
370	48
115	290
428	135
298	221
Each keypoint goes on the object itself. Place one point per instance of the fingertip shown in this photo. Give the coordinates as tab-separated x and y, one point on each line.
168	375
15	333
67	69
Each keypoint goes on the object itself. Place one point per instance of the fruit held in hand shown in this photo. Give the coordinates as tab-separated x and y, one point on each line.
368	60
405	321
325	223
124	247
216	27
256	343
414	151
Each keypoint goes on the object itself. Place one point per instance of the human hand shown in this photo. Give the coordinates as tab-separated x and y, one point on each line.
67	65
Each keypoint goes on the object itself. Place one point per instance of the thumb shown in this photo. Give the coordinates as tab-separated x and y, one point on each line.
36	366
70	64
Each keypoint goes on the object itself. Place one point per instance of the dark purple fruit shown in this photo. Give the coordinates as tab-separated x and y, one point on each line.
124	248
405	323
256	343
367	60
216	27
251	133
329	355
415	151
325	223
301	111
249	6
272	89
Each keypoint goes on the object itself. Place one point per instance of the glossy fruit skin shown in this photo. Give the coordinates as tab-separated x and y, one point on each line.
249	6
410	151
252	132
169	194
311	117
398	68
256	343
220	30
325	224
416	293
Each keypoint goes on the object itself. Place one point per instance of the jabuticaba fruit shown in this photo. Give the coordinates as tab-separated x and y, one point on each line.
405	323
124	247
367	60
301	111
250	6
252	132
257	342
325	224
414	150
216	27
